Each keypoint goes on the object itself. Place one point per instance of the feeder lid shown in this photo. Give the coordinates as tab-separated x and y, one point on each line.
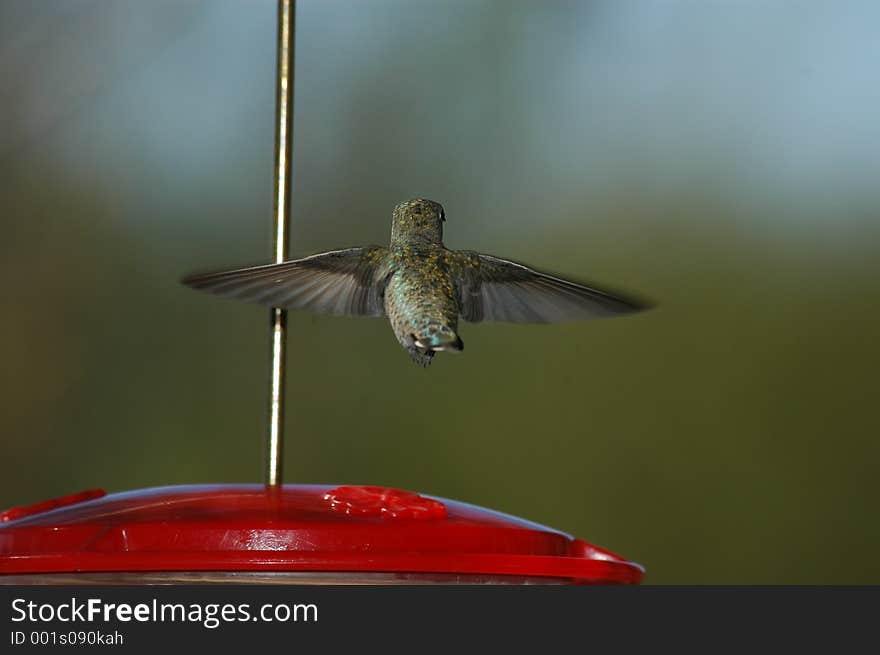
295	528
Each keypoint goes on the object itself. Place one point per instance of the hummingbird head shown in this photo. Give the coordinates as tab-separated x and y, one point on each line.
416	222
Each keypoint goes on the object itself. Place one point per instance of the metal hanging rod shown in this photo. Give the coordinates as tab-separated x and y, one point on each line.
281	218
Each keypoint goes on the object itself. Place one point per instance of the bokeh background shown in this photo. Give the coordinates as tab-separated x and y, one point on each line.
720	158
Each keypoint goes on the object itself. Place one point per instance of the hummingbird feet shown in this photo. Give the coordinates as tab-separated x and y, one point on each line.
419	356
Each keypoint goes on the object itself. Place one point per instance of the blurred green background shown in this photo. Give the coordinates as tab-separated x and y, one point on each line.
719	158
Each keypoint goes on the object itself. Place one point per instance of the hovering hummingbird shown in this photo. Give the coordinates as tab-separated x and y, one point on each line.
420	285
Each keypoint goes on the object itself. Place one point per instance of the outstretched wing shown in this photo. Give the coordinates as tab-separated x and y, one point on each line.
344	282
494	289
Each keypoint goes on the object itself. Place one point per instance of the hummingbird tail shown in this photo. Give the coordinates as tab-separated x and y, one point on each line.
439	338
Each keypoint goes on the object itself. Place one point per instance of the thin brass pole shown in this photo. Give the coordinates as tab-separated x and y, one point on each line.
278	317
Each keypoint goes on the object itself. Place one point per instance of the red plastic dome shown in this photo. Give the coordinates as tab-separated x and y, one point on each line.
297	531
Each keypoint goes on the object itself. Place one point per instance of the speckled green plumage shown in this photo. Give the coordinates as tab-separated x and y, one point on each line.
420	296
421	286
421	301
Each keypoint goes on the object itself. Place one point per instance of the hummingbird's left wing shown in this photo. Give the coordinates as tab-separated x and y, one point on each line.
495	289
344	282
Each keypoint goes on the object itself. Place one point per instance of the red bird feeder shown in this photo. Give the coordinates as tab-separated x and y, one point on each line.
295	534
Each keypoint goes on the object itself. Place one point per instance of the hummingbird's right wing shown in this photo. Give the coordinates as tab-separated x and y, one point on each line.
495	289
344	282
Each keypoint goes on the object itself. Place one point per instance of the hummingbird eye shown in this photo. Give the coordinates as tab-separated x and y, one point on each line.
442	216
